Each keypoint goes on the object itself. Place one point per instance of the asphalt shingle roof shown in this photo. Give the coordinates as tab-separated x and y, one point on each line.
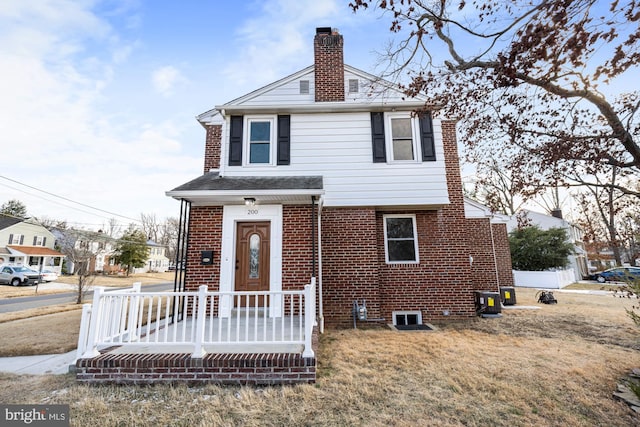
212	181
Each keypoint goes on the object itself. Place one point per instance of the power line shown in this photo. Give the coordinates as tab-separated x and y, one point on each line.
69	200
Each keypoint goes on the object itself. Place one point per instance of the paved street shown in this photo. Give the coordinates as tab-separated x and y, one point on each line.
8	305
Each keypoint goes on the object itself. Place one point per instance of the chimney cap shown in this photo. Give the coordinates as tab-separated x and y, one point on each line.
323	30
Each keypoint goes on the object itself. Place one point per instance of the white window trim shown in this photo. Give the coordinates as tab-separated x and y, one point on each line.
246	142
415	238
415	136
15	239
406	312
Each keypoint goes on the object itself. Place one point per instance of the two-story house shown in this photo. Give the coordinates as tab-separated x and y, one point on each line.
329	173
322	194
157	260
24	242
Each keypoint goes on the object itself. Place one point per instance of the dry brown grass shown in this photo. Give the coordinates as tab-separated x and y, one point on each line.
556	366
7	291
43	334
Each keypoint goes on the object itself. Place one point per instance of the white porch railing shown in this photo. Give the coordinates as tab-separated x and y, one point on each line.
201	321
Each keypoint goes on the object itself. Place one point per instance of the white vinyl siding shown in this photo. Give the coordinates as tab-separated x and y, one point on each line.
338	147
287	91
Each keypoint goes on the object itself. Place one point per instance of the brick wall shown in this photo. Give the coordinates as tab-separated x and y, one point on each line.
258	369
483	268
212	147
503	254
349	263
221	368
205	234
297	246
329	67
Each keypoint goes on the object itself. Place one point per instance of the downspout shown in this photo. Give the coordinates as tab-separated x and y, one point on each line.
320	303
313	236
493	250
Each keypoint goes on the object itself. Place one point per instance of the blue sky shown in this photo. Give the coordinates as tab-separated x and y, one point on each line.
99	97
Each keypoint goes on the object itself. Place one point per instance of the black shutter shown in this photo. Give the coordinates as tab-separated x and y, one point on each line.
377	137
426	138
10	239
284	140
235	141
35	240
44	241
22	239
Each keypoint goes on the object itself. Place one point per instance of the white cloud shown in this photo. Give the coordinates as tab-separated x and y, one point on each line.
274	40
165	79
57	59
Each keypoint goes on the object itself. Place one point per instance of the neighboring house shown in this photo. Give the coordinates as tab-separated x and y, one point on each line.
578	262
328	173
157	261
24	242
96	247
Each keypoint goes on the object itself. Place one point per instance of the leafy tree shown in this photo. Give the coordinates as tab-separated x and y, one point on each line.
534	249
526	76
132	250
14	208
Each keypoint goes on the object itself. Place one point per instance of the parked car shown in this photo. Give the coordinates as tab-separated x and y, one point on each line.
11	275
617	274
49	276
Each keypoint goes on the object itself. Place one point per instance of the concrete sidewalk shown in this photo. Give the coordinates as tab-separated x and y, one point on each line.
39	365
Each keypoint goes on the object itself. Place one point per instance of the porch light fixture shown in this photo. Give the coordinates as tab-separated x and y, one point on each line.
249	201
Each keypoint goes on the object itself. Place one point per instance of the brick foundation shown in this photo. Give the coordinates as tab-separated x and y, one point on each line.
245	368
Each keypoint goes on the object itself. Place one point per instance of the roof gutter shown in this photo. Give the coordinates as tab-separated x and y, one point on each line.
324	107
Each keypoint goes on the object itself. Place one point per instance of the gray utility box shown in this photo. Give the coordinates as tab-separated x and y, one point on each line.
508	295
487	302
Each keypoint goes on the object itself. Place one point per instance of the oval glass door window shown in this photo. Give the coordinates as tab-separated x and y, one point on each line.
254	256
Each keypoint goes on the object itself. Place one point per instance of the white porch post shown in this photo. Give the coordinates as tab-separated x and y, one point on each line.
199	351
84	330
309	317
95	324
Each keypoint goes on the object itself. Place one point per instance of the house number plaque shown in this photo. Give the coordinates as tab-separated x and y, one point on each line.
253	211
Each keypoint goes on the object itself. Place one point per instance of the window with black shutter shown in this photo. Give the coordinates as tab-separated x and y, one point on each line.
284	140
235	141
377	137
426	138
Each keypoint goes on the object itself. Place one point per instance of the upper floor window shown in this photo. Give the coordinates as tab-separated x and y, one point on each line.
260	140
16	239
354	85
401	138
400	239
39	241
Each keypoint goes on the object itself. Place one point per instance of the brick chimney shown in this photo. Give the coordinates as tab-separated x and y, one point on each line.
329	65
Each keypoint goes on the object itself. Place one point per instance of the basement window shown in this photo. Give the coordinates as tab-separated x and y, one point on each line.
407	318
409	321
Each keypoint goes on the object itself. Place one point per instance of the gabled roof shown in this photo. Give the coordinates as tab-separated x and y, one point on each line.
379	98
7	221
